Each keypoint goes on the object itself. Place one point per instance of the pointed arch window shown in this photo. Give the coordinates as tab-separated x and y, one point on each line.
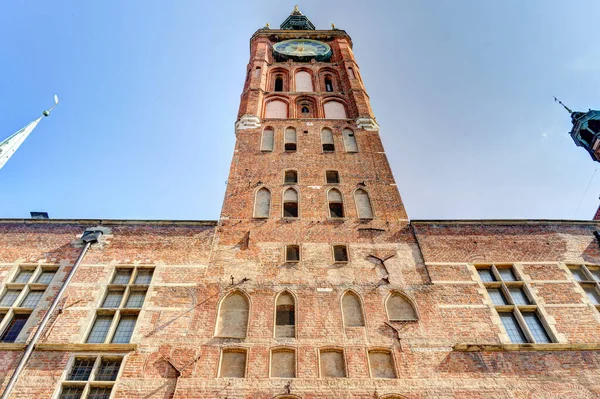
363	204
285	316
278	83
336	204
290	138
352	310
400	309
349	140
233	316
262	204
327	140
290	203
267	140
290	177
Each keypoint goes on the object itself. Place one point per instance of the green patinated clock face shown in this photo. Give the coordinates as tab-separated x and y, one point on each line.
302	49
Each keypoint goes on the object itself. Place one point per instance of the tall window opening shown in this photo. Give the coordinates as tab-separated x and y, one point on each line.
352	310
399	308
336	204
290	177
285	316
328	84
278	83
351	73
290	139
304	82
327	140
233	316
363	204
268	137
290	203
349	140
262	205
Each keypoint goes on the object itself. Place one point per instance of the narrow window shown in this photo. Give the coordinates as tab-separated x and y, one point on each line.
304	82
593	294
23	276
292	253
283	363
340	253
497	296
233	316
399	308
9	297
381	364
512	327
285	316
351	73
336	205
327	140
124	329
279	83
486	275
233	363
135	299
363	204
96	375
290	177
143	276
257	72
349	140
290	203
352	310
290	139
14	328
332	364
266	144
109	369
262	205
100	330
81	370
71	393
332	177
32	299
536	328
305	109
122	276
45	277
328	84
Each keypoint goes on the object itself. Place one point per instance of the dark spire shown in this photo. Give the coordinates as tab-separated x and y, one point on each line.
297	21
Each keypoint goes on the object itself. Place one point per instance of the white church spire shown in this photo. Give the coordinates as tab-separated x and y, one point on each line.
10	145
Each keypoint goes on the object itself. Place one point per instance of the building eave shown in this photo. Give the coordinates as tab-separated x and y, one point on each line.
95	222
447	222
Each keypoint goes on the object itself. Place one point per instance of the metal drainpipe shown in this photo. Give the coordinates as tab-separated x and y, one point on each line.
88	238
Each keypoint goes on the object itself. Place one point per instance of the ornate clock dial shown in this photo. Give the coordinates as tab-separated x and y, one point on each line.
301	49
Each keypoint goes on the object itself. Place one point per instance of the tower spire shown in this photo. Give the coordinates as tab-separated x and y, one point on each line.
12	143
564	106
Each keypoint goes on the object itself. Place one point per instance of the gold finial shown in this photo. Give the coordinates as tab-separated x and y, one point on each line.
333	26
296	8
296	11
268	25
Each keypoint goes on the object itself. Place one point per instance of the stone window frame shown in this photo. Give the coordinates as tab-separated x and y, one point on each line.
592	280
258	189
245	294
283	348
7	313
361	303
339	177
264	148
291	183
338	349
295	314
286	141
283	202
389	351
513	308
91	381
118	313
233	349
409	300
333	246
285	253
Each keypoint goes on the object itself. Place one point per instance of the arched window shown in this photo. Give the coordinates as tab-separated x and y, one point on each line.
290	203
289	139
336	204
349	140
262	203
285	316
283	365
381	364
352	310
304	81
327	140
351	73
363	204
305	110
290	177
334	110
399	308
266	143
328	84
278	83
233	316
257	72
276	109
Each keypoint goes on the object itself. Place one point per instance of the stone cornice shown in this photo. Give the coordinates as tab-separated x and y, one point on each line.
96	222
294	34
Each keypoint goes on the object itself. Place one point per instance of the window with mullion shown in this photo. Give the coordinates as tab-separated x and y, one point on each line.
14	327
92	376
589	279
124	329
9	297
32	299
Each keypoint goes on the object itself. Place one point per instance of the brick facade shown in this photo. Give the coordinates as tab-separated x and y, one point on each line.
420	312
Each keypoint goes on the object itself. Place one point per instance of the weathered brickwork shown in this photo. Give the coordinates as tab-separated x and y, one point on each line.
423	303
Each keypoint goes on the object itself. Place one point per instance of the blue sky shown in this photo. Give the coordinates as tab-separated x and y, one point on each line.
149	94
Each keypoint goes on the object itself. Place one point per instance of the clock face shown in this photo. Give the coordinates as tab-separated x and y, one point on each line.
303	48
